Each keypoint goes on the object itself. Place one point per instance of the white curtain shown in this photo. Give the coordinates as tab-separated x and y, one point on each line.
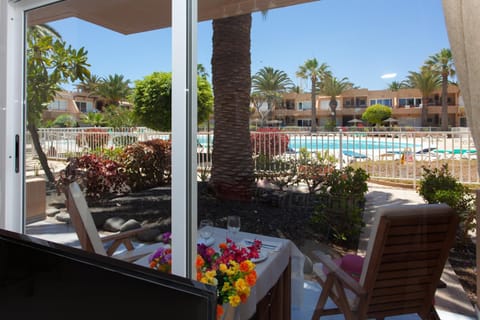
463	27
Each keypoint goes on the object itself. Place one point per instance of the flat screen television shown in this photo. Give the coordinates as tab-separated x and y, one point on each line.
45	280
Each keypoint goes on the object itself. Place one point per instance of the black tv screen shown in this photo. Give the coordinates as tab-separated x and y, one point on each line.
45	280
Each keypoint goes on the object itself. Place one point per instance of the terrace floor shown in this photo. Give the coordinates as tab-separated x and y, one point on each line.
451	302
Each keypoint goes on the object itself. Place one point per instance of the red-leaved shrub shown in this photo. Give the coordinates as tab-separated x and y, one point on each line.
99	176
147	164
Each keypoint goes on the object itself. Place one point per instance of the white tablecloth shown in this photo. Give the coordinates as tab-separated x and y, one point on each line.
268	271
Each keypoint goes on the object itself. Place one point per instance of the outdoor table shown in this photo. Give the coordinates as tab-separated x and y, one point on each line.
279	283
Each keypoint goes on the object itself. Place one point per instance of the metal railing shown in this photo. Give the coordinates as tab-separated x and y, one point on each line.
392	155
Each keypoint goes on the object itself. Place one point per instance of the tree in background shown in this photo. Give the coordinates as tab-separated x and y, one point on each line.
89	84
270	84
332	86
427	82
114	89
64	121
152	98
50	63
95	119
442	64
396	85
376	114
315	72
119	117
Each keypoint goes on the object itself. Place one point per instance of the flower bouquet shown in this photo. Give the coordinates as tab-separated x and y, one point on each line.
230	270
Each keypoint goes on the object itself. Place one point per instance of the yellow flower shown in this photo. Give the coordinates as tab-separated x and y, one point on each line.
241	286
226	286
234	300
223	267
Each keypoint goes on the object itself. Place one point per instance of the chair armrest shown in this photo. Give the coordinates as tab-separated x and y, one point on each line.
344	277
125	234
122	237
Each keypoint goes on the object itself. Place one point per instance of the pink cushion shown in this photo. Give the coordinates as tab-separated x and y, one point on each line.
350	263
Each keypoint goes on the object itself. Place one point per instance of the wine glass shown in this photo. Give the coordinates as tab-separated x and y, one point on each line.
206	229
233	226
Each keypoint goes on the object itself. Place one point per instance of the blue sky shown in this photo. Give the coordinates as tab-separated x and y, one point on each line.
359	39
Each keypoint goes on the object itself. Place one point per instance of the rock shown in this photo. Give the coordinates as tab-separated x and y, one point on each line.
51	212
308	265
130	225
63	217
113	224
150	235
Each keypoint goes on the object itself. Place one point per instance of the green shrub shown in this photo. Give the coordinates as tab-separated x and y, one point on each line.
64	121
314	170
147	164
439	186
278	171
341	200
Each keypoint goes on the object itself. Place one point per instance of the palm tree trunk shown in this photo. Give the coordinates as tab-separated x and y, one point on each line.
424	111
314	109
232	164
41	155
444	102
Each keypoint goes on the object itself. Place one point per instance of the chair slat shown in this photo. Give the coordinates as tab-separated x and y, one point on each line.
405	273
400	265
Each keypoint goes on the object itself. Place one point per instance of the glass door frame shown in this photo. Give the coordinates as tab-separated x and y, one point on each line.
184	93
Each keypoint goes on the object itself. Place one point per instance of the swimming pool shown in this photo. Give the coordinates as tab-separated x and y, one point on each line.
333	142
314	143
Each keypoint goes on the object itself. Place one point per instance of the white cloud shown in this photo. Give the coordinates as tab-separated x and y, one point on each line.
388	76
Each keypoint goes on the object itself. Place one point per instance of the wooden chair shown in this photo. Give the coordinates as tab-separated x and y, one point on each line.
405	257
87	232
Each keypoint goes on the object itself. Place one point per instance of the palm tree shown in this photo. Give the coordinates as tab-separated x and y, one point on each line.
94	118
90	84
427	82
311	70
232	166
333	87
396	85
271	84
201	71
114	89
442	63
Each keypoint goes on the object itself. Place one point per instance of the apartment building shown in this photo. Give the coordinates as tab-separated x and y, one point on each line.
72	103
406	104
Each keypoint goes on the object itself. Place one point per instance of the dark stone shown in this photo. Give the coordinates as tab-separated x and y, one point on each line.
131	224
51	212
63	217
113	224
150	235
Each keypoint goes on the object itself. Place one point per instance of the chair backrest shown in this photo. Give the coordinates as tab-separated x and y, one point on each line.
405	257
82	220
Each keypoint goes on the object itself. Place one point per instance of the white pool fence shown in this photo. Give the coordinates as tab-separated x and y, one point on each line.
392	155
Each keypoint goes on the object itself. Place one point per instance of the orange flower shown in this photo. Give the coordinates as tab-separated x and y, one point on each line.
223	246
244	266
243	298
199	262
251	278
219	311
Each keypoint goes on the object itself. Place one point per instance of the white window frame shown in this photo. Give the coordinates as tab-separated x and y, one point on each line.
184	93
